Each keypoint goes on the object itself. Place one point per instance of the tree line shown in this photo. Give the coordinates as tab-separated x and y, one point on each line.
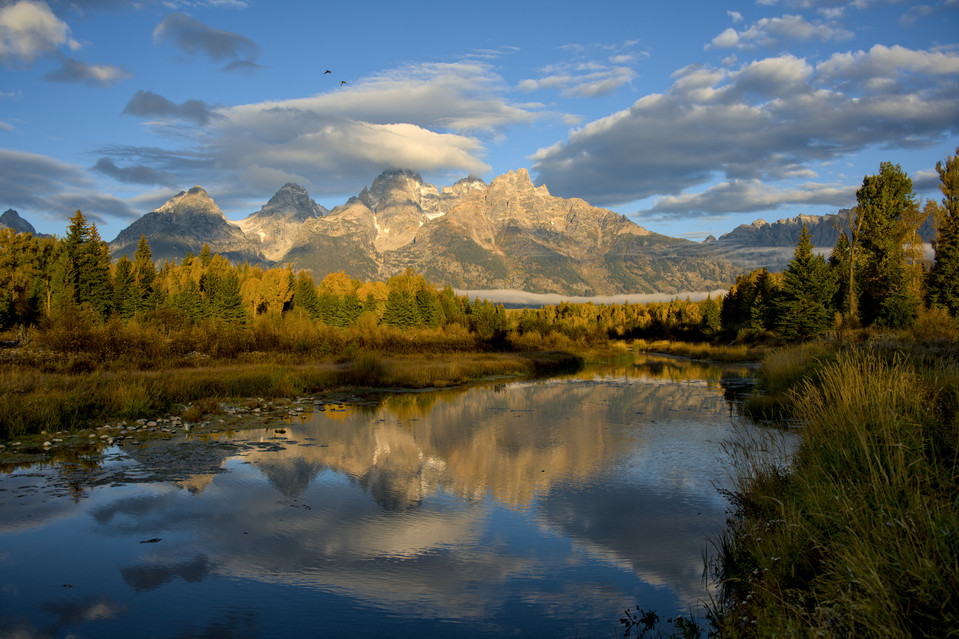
875	276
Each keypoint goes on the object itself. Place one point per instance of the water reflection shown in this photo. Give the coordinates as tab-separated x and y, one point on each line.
530	508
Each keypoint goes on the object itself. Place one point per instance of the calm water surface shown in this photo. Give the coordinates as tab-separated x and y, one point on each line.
539	508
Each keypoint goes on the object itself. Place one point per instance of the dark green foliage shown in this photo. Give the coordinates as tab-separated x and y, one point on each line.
144	277
839	263
804	302
710	322
748	305
943	279
349	310
428	307
882	202
488	320
305	296
228	303
401	310
124	291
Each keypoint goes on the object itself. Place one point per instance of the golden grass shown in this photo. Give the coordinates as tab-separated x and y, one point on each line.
859	536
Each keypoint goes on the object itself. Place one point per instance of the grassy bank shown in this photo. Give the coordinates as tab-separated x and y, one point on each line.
32	400
702	350
859	536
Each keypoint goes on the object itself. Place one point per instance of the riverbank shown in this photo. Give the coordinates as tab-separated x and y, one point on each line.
38	405
859	534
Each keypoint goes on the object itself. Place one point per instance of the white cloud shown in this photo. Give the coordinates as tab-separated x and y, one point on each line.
750	196
769	120
735	15
771	32
430	118
583	77
29	30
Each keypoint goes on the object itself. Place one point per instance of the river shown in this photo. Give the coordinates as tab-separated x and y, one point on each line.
523	508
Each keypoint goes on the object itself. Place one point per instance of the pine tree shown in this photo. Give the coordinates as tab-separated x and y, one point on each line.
943	280
401	310
96	287
349	310
428	307
124	291
228	303
710	324
803	306
839	261
144	277
882	205
305	296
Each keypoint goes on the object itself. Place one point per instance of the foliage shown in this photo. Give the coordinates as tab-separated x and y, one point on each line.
804	303
884	203
943	279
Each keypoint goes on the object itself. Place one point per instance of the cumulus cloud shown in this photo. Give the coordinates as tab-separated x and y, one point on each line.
37	184
147	104
102	75
768	120
431	118
29	30
462	97
750	196
770	32
193	38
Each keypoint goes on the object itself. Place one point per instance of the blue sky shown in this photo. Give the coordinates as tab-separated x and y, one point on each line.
690	117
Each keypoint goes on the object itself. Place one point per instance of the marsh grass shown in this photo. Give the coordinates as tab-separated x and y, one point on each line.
703	350
32	400
859	536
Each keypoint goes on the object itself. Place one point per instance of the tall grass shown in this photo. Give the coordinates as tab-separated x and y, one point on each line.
860	535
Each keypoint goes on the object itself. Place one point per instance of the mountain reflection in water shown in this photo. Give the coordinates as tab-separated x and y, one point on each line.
527	508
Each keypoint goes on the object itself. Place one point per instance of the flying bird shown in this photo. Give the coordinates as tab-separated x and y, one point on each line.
327	71
342	82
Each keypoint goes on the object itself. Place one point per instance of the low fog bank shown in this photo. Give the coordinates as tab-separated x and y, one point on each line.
521	299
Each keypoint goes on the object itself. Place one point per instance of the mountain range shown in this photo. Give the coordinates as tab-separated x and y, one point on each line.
508	234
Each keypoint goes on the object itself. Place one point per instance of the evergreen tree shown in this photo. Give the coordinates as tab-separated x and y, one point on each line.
943	280
428	307
144	277
305	296
839	261
95	287
401	309
228	303
125	294
882	204
349	310
327	306
803	306
710	323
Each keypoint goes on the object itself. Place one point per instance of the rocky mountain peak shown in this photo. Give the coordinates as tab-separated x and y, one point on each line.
192	202
12	220
291	202
396	186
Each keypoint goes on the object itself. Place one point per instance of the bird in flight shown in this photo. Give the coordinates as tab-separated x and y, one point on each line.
342	82
327	71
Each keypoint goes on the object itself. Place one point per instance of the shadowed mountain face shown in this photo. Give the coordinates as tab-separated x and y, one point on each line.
12	220
184	224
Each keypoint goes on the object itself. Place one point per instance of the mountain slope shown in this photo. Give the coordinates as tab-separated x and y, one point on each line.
184	224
